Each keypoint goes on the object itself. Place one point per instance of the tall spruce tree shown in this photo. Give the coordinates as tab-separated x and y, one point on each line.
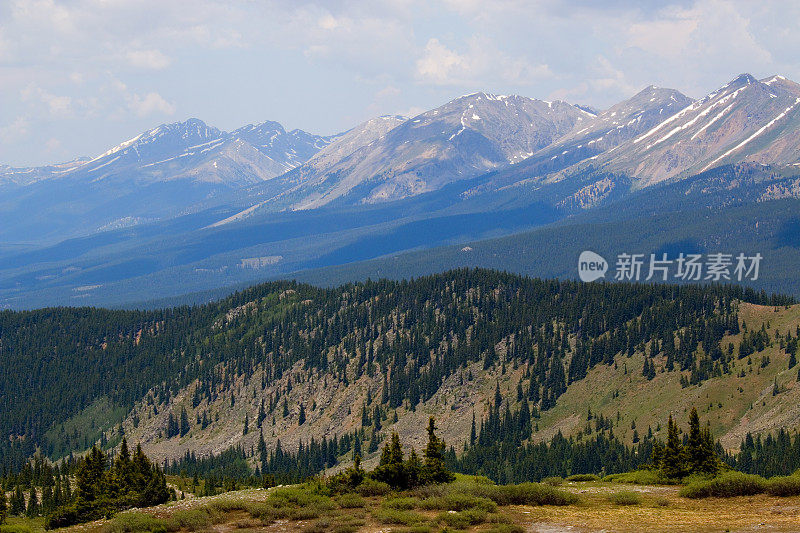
434	469
33	504
673	459
17	502
3	505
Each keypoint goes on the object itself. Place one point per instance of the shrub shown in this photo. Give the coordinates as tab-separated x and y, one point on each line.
397	516
351	501
625	497
583	477
784	486
639	477
505	528
15	528
524	494
462	519
458	502
304	513
345	528
553	481
133	523
370	487
404	503
193	519
414	529
725	485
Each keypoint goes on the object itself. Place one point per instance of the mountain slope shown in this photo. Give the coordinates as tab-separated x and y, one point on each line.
465	137
745	120
352	357
171	170
735	208
590	139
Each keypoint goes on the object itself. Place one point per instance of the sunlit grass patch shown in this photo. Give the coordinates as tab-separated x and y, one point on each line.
625	497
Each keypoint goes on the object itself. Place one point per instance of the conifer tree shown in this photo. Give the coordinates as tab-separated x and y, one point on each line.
48	502
391	469
434	469
3	505
673	459
184	423
33	504
413	468
17	502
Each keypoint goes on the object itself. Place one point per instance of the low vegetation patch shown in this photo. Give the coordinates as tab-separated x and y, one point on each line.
582	478
625	497
640	477
524	494
784	485
726	485
553	481
386	515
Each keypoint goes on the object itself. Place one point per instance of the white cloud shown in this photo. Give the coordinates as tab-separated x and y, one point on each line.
481	61
150	104
148	59
439	64
16	131
57	106
54	146
394	54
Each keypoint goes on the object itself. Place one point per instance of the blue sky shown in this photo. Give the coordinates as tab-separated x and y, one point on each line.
78	76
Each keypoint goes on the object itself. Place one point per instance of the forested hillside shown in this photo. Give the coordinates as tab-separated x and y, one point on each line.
286	364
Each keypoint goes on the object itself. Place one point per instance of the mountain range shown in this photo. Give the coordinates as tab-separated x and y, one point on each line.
187	207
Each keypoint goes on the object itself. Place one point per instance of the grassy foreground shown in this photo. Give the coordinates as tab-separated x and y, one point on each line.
468	504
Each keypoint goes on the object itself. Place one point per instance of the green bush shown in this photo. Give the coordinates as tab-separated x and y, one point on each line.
370	487
726	485
583	477
351	501
15	528
784	486
505	528
414	529
134	522
397	516
193	519
638	477
462	519
625	497
553	481
406	503
458	502
524	494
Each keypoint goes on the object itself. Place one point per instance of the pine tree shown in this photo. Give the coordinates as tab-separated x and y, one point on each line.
472	433
301	418
33	504
391	469
3	505
673	459
694	446
413	468
184	423
434	469
48	501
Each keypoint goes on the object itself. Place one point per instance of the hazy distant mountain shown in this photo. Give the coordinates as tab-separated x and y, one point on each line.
21	176
602	133
745	120
468	136
168	171
187	207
